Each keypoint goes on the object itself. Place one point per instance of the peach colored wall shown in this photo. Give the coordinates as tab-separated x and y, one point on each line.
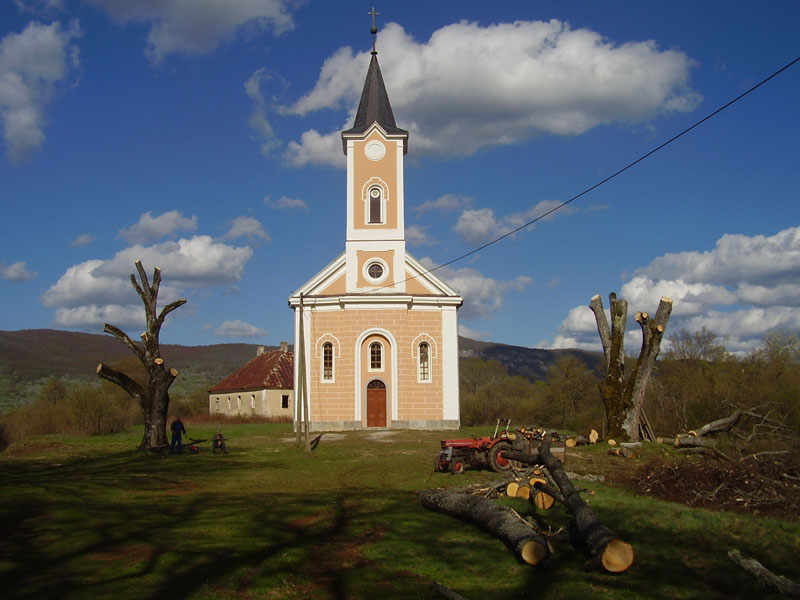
335	401
364	169
336	287
415	287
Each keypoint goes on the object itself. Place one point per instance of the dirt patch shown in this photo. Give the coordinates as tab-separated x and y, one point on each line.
768	485
381	436
28	448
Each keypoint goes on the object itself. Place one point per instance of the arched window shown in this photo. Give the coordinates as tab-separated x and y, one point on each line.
424	362
375	356
375	204
327	361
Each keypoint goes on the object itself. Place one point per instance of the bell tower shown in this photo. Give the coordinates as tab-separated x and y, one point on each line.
375	148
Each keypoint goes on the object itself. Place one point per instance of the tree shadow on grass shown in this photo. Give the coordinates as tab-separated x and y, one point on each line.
128	525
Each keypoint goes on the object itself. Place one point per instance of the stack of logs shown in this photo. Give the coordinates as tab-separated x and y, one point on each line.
543	483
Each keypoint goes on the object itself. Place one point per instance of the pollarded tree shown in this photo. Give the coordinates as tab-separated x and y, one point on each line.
153	395
623	396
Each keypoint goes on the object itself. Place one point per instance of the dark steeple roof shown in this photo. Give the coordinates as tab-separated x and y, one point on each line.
374	106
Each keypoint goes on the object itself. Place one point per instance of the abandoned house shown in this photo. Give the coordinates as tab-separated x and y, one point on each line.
263	387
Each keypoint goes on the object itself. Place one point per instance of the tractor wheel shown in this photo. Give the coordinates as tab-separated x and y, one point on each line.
497	461
457	466
437	464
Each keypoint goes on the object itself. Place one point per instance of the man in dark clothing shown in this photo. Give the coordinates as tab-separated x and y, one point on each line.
177	429
218	442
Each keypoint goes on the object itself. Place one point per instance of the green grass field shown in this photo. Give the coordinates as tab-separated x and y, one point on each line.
95	518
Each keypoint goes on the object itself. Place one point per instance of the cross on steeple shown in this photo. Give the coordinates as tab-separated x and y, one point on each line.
373	30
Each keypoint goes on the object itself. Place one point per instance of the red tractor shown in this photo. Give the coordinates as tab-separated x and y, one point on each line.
477	451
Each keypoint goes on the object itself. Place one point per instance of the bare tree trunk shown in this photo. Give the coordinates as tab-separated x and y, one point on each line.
153	396
623	396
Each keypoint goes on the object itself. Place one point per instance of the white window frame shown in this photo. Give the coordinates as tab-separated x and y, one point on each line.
332	378
375	183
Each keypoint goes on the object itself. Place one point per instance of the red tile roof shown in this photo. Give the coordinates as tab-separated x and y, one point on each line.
271	370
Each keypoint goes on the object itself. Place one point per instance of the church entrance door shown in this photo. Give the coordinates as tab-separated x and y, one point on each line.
376	404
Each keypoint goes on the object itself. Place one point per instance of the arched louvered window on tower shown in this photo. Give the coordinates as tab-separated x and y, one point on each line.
375	204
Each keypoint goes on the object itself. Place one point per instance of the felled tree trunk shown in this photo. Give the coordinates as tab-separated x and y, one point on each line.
500	521
153	396
623	396
607	549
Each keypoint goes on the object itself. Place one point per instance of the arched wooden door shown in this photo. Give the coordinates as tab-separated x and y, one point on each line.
376	403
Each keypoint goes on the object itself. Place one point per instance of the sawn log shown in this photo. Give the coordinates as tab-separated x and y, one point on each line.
500	521
607	549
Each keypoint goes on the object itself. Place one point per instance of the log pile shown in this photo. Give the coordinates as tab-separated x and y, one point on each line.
542	482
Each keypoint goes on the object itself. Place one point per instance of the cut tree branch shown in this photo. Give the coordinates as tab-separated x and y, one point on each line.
779	583
121	335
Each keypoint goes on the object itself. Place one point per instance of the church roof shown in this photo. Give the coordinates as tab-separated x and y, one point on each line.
374	106
270	370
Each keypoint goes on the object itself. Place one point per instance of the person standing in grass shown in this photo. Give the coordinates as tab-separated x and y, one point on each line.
177	430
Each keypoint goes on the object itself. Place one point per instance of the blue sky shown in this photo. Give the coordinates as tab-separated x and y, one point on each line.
204	137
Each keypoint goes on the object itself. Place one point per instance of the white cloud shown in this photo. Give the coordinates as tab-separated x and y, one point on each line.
35	66
83	285
477	226
736	258
198	261
285	203
473	334
247	228
469	87
418	236
741	290
197	26
259	125
98	291
47	7
17	272
82	240
482	295
238	330
93	317
152	229
315	148
443	204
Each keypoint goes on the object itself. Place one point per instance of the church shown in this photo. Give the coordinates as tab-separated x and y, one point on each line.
376	334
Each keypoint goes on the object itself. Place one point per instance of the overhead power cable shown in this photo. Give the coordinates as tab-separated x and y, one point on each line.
613	175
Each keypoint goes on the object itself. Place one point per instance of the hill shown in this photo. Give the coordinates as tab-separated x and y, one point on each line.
30	357
531	363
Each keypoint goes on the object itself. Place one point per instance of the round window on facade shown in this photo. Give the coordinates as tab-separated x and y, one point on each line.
375	270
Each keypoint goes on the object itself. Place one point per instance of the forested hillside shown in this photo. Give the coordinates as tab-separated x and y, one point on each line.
29	358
